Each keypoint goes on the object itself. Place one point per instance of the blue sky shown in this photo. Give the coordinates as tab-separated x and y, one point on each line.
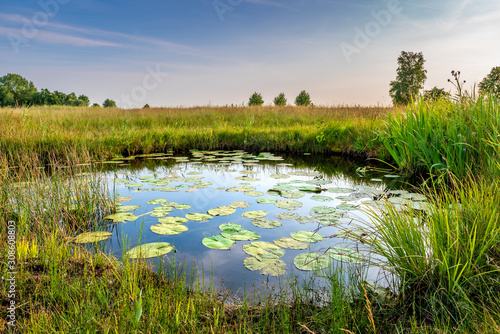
218	52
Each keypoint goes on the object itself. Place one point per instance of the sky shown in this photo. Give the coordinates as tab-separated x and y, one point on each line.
218	52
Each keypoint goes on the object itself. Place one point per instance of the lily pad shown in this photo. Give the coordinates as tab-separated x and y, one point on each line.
230	226
159	214
346	198
279	176
263	250
123	198
266	223
88	237
284	187
292	194
240	204
182	206
266	200
172	220
122	217
218	242
309	189
240	189
322	210
345	254
288	205
305	219
133	185
321	198
222	211
198	216
291	243
287	215
125	208
242	234
307	236
254	214
339	190
168	189
346	207
312	261
157	201
355	234
153	249
414	197
272	267
254	193
168	229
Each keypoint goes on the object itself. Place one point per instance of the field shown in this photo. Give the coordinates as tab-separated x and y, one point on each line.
448	259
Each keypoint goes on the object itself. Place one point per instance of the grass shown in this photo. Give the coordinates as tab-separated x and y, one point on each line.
103	133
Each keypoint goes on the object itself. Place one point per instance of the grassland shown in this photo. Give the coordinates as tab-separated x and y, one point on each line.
448	261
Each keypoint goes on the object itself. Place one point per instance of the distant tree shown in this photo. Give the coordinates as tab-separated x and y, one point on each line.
145	106
410	77
15	90
256	100
280	100
84	99
435	94
491	83
96	105
109	103
303	99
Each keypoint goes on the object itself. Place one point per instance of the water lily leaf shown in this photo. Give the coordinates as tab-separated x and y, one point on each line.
414	197
218	242
266	223
328	221
253	193
122	217
240	204
355	234
168	189
398	192
123	198
182	206
273	192
242	234
346	198
398	200
153	249
305	219
266	200
291	243
157	201
292	194
321	198
309	189
263	250
88	237
198	216
222	211
159	214
272	267
284	187
230	226
279	176
125	208
246	178
340	190
322	210
172	220
163	209
346	207
307	236
254	214
312	261
288	205
287	215
240	189
168	229
345	254
133	185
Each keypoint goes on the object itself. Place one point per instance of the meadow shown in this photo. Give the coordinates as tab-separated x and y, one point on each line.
447	259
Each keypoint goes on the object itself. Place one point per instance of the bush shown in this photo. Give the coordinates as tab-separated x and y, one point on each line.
280	100
303	99
256	100
109	104
145	106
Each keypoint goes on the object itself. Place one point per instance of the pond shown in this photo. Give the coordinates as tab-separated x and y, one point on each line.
245	219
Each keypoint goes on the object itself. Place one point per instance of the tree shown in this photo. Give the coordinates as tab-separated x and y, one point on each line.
280	100
84	99
16	90
109	103
491	83
256	100
435	94
410	77
303	99
146	106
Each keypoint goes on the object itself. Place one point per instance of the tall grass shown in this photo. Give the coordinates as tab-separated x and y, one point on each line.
448	258
445	135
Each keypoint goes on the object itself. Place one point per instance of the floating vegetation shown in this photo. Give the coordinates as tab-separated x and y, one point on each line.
125	208
89	237
307	236
321	198
287	215
345	254
240	204
292	194
323	210
266	223
157	201
254	214
263	250
218	242
242	234
153	249
222	211
291	243
123	198
168	229
272	267
266	200
288	205
312	261
198	216
173	220
122	217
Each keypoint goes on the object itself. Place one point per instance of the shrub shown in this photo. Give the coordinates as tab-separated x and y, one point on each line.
280	100
109	104
303	99
256	100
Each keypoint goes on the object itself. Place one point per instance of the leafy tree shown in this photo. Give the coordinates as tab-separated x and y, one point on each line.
303	99
109	103
84	99
96	105
280	100
491	83
435	94
256	100
15	90
410	77
145	106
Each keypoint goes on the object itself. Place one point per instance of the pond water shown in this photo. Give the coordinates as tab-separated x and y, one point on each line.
314	202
